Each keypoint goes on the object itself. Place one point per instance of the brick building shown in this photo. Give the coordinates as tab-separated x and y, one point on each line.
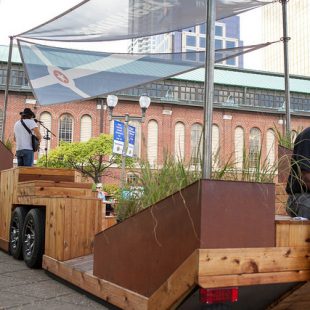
248	105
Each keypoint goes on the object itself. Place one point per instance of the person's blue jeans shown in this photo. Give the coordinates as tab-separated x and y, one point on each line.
24	158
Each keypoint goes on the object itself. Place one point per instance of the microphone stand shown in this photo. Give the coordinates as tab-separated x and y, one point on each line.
46	137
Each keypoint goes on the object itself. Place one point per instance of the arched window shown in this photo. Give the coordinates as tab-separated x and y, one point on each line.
65	128
137	148
255	147
179	141
270	147
152	142
215	146
1	122
196	143
239	147
86	128
45	145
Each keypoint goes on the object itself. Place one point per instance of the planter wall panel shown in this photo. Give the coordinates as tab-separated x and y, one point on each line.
237	214
151	244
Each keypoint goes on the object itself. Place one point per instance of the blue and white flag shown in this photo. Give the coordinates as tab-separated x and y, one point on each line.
131	141
59	75
118	137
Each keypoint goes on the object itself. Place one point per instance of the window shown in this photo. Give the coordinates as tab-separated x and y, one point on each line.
152	142
179	141
196	143
45	145
239	147
215	146
231	61
65	128
270	147
132	178
202	28
86	128
137	148
255	147
202	42
190	40
219	30
218	44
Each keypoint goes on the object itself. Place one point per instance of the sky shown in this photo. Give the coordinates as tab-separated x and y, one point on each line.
17	16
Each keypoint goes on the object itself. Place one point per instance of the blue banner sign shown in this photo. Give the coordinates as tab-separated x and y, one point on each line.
118	137
131	141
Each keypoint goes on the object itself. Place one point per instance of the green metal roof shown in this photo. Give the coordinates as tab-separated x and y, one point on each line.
249	78
4	54
222	75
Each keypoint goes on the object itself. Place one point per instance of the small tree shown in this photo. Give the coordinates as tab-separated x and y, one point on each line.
91	158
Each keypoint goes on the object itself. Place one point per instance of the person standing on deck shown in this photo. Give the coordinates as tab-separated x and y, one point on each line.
298	183
22	138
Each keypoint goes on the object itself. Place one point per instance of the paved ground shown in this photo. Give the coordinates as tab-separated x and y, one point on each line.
24	288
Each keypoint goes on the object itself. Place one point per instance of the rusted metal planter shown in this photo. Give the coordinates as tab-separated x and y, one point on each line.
144	250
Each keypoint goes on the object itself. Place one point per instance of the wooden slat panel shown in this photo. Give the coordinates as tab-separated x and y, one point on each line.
48	183
252	260
253	279
50	228
52	191
108	291
68	230
177	286
60	227
292	233
8	186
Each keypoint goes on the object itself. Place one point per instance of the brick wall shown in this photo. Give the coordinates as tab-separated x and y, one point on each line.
226	119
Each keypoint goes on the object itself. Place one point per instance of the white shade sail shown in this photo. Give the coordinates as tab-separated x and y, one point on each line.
104	20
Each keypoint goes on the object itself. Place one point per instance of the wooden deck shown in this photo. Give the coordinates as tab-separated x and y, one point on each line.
74	218
288	261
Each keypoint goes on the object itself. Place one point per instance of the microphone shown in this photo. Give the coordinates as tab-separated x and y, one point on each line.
37	121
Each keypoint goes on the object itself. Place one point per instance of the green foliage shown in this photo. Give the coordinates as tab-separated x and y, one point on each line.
259	170
112	189
9	144
154	185
91	158
287	139
157	184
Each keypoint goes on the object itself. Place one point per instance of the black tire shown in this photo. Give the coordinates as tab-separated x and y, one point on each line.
33	238
16	232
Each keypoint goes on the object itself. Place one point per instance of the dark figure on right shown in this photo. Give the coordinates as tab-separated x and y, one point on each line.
298	183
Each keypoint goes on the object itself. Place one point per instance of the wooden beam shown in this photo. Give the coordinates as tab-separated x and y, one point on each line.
105	290
253	279
177	286
215	262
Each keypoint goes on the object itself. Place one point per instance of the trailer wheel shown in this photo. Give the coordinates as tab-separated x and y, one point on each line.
33	238
16	232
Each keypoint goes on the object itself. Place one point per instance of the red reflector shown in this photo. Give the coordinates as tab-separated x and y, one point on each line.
218	295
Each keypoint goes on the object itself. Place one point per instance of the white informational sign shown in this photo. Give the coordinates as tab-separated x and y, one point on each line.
118	137
131	141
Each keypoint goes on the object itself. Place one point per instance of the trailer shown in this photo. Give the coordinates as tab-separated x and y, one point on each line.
188	248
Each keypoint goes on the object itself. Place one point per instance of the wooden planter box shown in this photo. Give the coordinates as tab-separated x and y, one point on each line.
207	214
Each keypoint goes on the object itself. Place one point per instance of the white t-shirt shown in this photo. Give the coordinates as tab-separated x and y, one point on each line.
22	136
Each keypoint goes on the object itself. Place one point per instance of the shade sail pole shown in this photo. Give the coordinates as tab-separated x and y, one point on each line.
6	92
209	89
286	69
